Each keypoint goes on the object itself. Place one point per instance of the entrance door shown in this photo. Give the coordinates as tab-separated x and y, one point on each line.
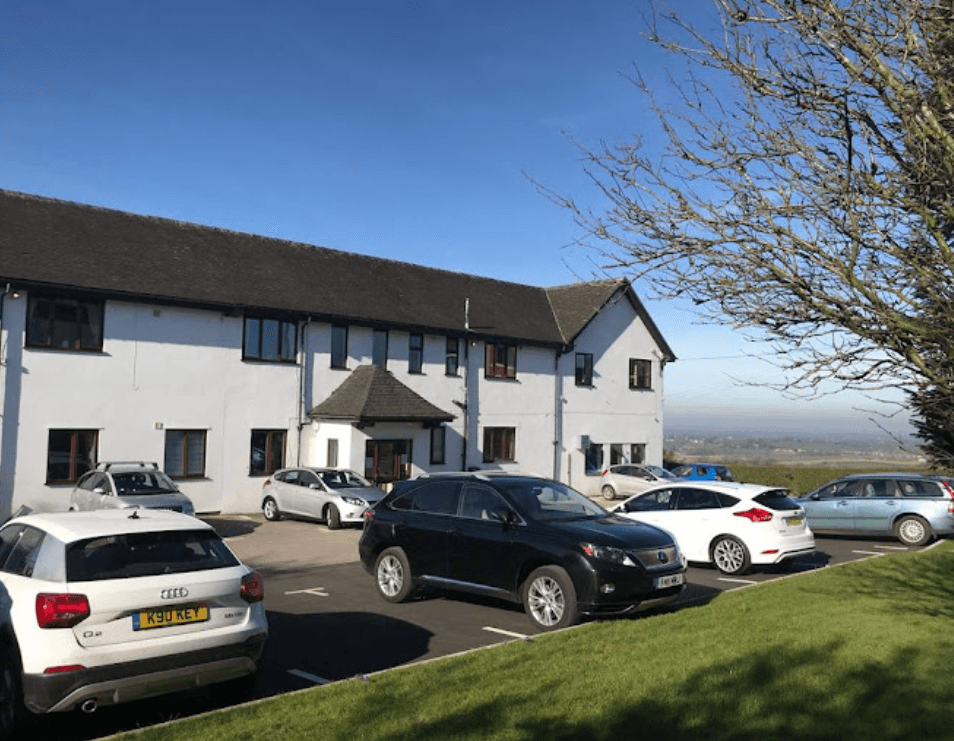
387	460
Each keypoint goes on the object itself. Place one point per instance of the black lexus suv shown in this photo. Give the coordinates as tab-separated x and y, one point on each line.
530	540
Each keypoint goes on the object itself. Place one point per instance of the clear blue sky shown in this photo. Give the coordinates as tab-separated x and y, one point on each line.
399	129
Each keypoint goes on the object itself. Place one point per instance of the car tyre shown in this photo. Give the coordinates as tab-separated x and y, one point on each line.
912	530
392	574
271	510
12	710
609	493
730	555
333	517
549	598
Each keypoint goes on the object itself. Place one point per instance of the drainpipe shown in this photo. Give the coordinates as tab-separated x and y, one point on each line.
301	388
557	414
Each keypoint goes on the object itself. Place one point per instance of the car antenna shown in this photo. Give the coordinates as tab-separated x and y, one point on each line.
135	514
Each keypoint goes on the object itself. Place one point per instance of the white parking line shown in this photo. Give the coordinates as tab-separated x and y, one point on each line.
316	591
506	632
309	677
893	547
738	581
869	553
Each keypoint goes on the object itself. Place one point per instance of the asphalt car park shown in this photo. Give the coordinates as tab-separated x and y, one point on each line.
327	622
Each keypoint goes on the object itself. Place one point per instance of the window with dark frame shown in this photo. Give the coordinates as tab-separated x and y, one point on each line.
438	438
185	454
584	369
379	348
637	453
452	356
70	454
415	353
271	340
499	444
64	323
267	453
640	374
593	459
339	346
500	360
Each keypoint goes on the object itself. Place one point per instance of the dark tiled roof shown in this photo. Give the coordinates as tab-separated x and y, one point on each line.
44	241
372	394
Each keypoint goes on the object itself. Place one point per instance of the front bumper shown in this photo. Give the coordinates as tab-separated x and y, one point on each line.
607	589
134	680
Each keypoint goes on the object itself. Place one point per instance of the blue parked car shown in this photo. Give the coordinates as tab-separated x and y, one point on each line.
703	472
914	508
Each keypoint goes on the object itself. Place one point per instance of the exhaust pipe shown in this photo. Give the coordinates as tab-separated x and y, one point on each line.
89	706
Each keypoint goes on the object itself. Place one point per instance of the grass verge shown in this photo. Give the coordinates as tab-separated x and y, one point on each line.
860	651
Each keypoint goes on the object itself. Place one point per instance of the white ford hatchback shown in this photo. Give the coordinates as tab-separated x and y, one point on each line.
98	608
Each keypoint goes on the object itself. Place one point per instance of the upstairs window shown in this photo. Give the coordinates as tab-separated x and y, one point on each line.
415	353
584	369
500	360
640	374
452	356
379	348
271	340
64	323
339	347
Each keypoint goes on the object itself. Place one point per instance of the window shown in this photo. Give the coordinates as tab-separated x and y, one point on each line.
415	353
640	374
268	452
64	324
593	459
339	347
70	454
379	348
452	356
270	339
499	444
616	454
584	369
185	453
637	453
438	436
332	457
500	361
479	501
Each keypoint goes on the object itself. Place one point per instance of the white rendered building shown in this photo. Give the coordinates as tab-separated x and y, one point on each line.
224	356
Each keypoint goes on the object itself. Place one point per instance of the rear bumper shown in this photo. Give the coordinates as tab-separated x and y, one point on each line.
134	680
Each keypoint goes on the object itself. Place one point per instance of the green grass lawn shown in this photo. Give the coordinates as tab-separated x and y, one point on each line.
803	479
861	651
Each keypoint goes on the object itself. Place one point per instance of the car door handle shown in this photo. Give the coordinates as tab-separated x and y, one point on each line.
843	503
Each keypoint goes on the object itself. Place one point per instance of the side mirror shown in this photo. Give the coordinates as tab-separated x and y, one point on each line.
99	490
504	514
815	497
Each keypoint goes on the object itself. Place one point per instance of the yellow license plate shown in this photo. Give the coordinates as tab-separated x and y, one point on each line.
793	521
163	617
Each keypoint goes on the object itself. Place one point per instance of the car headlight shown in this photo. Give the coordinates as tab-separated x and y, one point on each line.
607	553
355	501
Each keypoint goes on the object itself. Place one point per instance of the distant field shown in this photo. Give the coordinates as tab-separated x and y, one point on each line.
801	479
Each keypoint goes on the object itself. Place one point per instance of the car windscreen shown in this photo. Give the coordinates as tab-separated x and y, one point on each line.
342	480
550	500
146	554
143	482
777	499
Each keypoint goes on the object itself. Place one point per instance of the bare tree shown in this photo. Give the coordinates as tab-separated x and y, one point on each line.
806	191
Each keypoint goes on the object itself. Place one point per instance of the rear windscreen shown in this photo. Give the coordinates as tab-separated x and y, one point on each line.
777	499
146	554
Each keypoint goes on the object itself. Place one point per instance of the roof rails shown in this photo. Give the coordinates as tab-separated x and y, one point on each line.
106	465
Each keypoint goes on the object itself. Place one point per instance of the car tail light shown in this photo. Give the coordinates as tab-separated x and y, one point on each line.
253	588
755	515
61	610
267	483
949	490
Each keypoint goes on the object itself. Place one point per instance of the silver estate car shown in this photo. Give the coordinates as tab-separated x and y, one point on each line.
124	484
914	508
335	495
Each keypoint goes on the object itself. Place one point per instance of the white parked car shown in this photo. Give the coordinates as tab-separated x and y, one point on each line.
99	608
335	495
730	525
123	484
625	479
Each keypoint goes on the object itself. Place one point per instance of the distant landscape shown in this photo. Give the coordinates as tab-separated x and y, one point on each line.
836	449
